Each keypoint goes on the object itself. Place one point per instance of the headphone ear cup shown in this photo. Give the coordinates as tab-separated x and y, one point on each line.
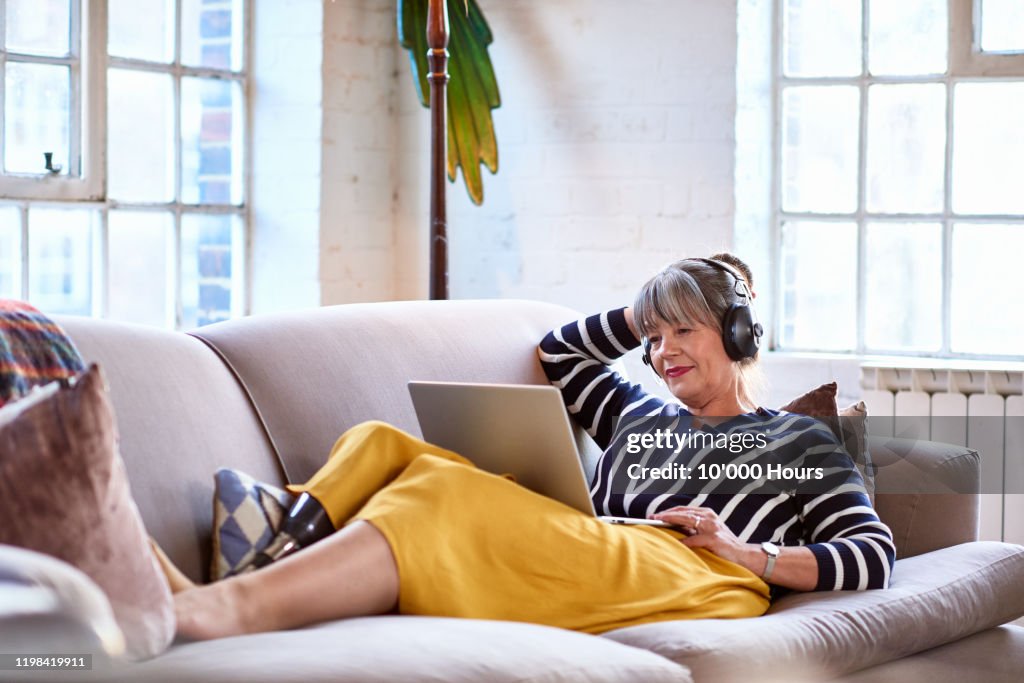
647	357
741	333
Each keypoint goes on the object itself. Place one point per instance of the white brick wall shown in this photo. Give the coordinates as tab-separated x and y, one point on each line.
361	58
616	149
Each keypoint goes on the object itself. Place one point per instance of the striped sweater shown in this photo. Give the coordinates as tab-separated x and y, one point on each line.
853	548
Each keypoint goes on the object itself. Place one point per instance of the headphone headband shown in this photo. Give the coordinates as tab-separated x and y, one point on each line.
742	288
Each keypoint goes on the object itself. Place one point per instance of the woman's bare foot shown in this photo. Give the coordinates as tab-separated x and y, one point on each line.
349	574
216	610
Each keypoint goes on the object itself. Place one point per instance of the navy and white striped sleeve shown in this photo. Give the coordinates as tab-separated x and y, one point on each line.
853	547
575	358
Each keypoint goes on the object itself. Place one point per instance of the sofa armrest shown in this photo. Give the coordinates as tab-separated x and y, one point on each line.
48	606
927	492
933	599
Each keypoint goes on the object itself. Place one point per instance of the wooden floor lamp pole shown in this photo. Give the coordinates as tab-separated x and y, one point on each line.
437	60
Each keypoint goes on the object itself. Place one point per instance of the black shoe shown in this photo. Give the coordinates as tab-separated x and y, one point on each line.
307	522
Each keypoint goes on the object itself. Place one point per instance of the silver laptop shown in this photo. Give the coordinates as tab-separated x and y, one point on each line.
520	429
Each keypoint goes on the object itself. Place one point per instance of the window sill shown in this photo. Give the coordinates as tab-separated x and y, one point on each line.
884	361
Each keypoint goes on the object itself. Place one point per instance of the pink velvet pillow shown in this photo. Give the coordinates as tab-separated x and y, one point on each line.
64	492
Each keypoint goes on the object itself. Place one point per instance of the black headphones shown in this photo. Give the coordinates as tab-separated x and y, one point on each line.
741	333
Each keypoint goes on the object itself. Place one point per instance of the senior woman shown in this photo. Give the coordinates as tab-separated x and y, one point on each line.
422	531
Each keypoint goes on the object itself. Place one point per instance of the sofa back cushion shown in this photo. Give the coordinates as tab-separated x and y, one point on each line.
313	374
181	415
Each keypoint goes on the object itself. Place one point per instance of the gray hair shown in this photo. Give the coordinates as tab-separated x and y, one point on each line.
692	292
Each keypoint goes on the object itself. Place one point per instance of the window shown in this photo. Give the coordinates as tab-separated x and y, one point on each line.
899	159
157	234
47	87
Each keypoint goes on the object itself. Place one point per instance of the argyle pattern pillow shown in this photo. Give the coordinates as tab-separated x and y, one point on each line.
246	516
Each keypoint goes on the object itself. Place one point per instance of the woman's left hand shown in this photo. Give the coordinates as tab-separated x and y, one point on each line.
705	531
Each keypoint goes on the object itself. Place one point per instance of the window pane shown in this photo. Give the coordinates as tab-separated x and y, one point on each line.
907	37
906	148
141	29
211	33
904	287
819	148
140	118
60	260
39	27
822	38
37	116
988	145
819	287
986	308
211	141
211	251
141	245
1002	25
10	253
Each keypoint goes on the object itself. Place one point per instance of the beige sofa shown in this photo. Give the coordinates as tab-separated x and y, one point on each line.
270	394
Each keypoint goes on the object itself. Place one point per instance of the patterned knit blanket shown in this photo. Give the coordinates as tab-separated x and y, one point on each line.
33	350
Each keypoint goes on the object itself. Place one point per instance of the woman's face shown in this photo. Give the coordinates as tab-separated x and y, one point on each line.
692	361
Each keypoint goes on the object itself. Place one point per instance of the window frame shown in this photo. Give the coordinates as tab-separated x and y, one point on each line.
966	64
179	208
88	125
91	192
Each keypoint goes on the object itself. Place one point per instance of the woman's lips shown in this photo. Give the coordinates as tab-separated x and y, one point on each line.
678	371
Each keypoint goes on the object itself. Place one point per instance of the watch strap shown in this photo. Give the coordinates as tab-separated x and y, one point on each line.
772	556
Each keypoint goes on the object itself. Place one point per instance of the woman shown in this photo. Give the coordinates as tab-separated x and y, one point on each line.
424	532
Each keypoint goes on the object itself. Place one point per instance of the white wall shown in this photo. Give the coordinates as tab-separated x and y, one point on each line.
615	139
285	184
360	78
616	150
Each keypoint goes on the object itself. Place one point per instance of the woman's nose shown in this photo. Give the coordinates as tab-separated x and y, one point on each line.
669	348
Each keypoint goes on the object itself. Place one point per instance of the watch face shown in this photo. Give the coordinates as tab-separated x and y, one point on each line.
770	548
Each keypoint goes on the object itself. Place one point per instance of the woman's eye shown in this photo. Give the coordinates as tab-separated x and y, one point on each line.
682	330
654	340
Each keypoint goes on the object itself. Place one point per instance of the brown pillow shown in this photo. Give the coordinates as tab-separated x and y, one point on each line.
848	424
820	402
64	492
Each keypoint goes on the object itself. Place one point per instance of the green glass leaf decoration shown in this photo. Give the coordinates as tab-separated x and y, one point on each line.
472	89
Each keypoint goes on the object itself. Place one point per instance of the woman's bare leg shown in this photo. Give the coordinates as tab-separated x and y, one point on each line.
348	574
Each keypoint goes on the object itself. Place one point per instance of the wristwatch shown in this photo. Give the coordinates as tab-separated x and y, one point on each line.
772	551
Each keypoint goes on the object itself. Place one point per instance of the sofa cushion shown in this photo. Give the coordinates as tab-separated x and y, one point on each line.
401	648
995	655
34	350
181	415
920	483
337	366
63	492
933	599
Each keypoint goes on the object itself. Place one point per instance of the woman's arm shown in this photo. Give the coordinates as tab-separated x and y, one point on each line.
628	312
847	545
853	548
575	358
796	566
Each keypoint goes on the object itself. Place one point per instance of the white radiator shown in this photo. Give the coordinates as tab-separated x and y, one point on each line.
968	406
